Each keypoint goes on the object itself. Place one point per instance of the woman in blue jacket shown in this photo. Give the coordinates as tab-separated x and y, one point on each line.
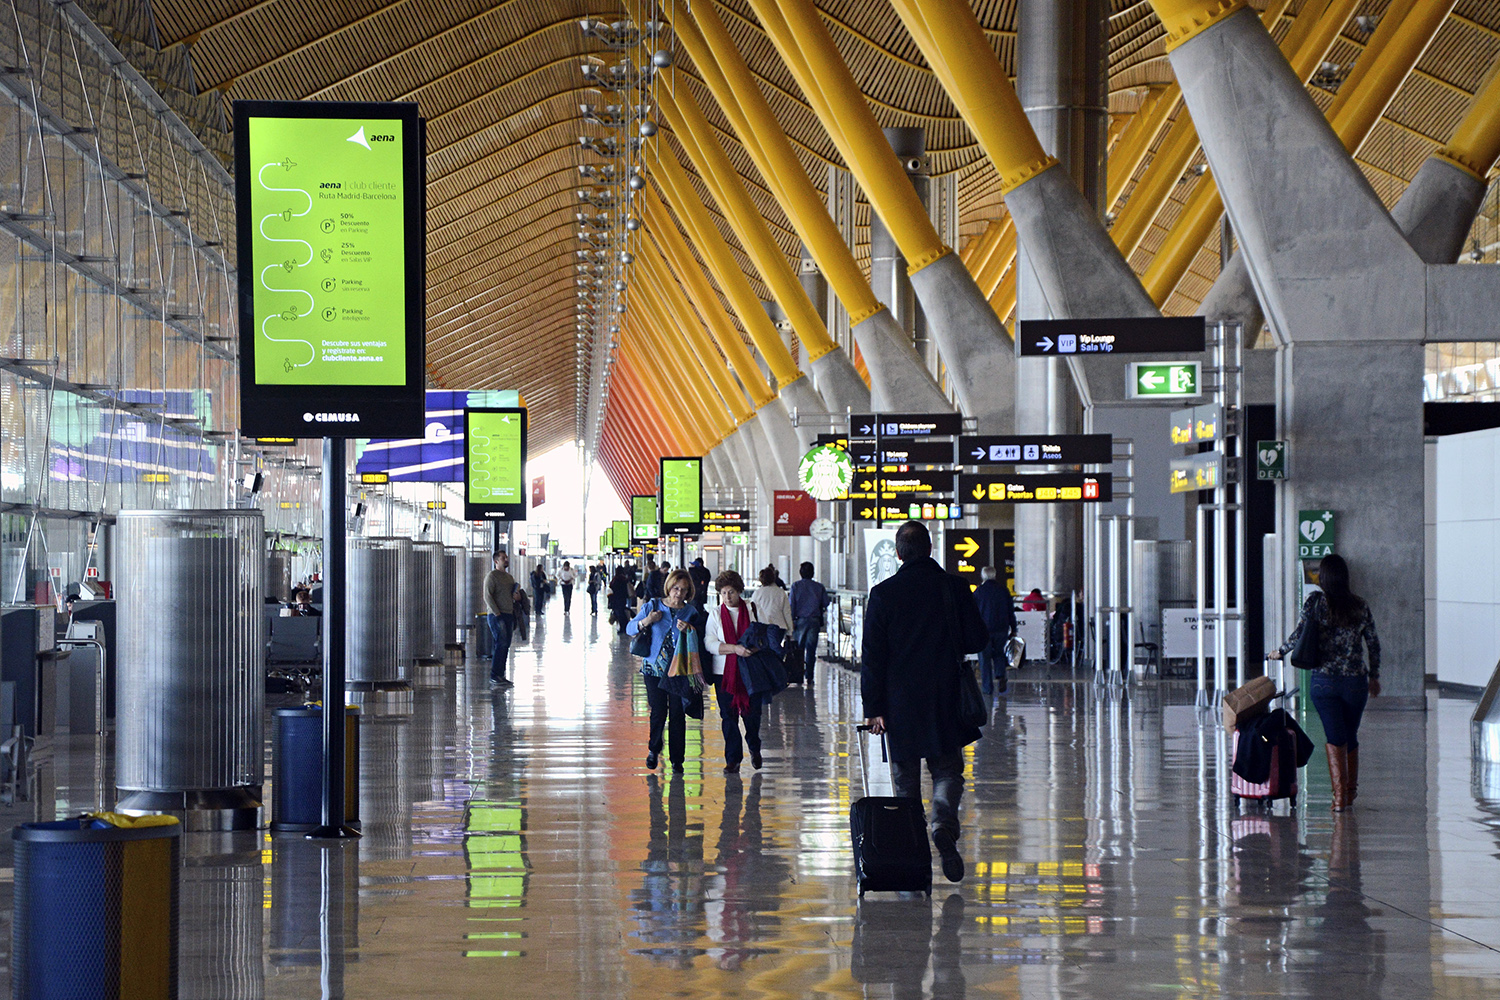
666	618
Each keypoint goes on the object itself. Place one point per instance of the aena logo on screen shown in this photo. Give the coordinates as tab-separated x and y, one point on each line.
331	418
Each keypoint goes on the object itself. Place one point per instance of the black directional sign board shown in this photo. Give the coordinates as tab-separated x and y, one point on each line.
937	483
966	551
837	440
1024	449
902	453
1045	338
924	510
1046	487
904	425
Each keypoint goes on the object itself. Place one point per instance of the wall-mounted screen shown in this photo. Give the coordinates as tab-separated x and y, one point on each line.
495	464
330	206
681	496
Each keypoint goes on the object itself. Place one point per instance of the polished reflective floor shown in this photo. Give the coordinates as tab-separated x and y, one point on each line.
515	845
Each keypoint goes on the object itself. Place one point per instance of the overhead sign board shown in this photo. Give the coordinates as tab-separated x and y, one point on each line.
495	464
1270	460
966	551
837	440
643	518
726	522
681	496
1198	424
904	425
1043	338
1163	380
331	219
924	511
1043	487
940	483
902	453
794	512
1316	533
1036	449
1195	472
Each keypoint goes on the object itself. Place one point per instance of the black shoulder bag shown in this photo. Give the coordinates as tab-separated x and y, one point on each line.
972	709
1305	652
641	645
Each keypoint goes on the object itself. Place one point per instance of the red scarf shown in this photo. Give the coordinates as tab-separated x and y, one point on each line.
733	633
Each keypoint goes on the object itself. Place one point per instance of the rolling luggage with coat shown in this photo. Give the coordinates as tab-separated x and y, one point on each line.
892	852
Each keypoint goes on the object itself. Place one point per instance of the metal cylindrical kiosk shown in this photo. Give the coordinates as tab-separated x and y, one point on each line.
373	613
297	756
96	903
191	683
426	569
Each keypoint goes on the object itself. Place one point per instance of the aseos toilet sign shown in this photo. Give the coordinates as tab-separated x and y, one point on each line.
330	205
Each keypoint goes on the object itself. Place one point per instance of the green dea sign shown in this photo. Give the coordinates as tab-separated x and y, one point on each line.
1163	380
1270	460
826	472
1316	533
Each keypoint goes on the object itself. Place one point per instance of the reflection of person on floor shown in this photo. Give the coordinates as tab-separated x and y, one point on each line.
749	880
669	904
893	940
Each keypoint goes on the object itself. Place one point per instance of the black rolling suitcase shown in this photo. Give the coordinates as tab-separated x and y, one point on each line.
891	849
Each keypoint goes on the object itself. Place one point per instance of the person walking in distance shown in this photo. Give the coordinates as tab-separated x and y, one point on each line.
701	577
597	579
726	627
565	577
500	602
919	623
619	598
808	599
999	616
1341	683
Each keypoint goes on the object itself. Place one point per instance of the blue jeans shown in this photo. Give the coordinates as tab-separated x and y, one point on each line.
501	627
1340	702
806	631
992	666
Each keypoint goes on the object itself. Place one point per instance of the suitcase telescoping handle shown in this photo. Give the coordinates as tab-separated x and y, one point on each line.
864	768
884	757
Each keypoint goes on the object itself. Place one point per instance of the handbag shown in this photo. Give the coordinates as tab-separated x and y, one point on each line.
641	644
973	710
761	635
763	673
1305	652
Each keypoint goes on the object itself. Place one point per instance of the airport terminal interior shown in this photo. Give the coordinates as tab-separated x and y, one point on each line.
424	354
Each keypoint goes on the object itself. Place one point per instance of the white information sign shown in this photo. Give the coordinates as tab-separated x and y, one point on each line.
1179	634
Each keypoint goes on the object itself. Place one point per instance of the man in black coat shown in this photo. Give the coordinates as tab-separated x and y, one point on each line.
999	614
914	643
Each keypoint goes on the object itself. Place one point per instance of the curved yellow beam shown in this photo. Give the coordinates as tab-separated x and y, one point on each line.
805	45
671	415
726	270
1000	264
977	250
675	248
1133	146
1404	32
691	384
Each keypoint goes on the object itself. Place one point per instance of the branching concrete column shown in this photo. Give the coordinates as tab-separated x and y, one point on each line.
888	275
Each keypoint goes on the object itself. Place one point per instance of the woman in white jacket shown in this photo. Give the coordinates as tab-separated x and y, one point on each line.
726	627
772	605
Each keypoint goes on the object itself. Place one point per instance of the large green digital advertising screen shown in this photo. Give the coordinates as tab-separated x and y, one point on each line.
330	200
619	532
643	519
681	496
495	464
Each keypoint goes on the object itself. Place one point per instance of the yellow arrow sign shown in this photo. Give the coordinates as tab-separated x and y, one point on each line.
978	493
967	548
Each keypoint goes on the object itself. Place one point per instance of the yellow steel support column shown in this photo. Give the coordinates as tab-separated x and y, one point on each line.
726	270
703	148
1404	32
670	415
729	79
799	34
1133	146
989	269
690	384
1475	144
1003	301
656	320
1001	264
977	251
674	247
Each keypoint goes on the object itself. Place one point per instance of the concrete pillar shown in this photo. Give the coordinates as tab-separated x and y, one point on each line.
888	275
1062	46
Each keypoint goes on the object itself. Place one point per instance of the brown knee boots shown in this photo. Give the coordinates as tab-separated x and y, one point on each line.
1338	776
1353	783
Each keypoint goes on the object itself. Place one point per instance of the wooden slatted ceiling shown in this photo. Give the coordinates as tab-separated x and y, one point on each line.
499	82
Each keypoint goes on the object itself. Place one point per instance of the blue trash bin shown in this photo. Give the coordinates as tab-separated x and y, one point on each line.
297	768
96	908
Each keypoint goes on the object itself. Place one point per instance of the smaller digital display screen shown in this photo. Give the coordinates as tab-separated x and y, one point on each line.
495	464
643	519
681	496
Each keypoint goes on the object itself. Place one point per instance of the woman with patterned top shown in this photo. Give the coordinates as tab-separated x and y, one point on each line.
1341	683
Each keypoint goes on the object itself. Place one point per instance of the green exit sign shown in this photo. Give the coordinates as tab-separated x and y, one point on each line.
1163	380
